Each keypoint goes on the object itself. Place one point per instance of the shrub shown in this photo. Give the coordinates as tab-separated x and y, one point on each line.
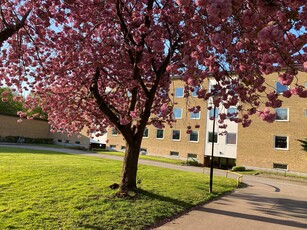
238	168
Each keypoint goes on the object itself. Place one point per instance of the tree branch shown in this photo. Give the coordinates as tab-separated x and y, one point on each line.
10	30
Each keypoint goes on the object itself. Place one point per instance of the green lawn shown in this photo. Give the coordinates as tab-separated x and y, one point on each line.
48	190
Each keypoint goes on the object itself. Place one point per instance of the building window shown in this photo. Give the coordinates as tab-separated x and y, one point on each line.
160	134
281	114
192	155
211	114
195	115
174	154
231	138
145	134
67	141
281	142
279	88
232	113
114	132
195	90
112	146
59	140
123	147
212	137
77	142
177	113
193	137
179	92
280	166
176	135
143	151
305	112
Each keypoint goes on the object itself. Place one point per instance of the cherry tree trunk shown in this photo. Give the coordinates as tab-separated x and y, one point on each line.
130	166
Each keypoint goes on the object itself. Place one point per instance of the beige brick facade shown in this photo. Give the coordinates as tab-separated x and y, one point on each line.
164	147
256	144
39	129
27	128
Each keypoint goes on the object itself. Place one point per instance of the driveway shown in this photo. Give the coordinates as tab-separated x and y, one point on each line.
265	204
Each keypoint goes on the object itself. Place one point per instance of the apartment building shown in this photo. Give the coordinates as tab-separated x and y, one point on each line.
175	142
270	146
275	146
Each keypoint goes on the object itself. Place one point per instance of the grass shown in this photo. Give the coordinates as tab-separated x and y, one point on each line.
49	190
145	157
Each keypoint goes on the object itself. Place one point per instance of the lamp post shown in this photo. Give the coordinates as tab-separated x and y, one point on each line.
212	150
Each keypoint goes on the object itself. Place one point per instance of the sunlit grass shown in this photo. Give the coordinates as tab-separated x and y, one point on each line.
49	190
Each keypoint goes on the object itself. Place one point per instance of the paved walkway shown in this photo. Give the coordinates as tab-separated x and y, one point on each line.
265	204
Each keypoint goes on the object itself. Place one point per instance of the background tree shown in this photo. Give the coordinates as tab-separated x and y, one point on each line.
10	103
100	63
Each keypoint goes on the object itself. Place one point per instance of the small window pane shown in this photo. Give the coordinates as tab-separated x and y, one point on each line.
281	142
192	155
112	146
280	166
211	114
211	136
195	115
114	132
77	142
194	136
123	147
281	114
194	93
231	138
177	113
145	134
174	154
232	112
179	92
176	135
160	134
281	88
305	112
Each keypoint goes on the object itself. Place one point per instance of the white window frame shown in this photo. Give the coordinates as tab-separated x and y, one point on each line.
179	134
217	112
227	136
233	116
196	89
157	134
217	137
176	92
194	118
171	155
276	83
281	148
114	134
197	137
180	113
281	109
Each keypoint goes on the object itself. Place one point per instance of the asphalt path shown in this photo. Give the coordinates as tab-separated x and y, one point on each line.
264	203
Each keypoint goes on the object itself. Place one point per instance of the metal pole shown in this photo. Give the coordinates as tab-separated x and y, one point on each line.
212	151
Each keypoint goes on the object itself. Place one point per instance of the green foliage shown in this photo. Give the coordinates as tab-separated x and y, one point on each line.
10	106
48	190
304	144
238	168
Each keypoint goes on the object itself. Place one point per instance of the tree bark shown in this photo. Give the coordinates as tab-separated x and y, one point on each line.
130	167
